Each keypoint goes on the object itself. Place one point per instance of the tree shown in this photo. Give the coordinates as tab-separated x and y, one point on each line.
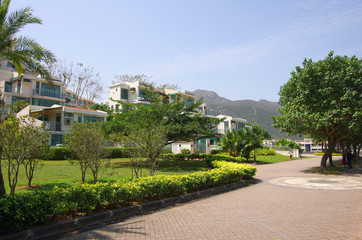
21	51
20	139
18	106
251	141
87	142
264	134
81	79
287	143
182	121
233	142
323	99
32	162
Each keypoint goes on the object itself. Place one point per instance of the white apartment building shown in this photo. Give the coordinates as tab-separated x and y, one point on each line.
131	92
47	103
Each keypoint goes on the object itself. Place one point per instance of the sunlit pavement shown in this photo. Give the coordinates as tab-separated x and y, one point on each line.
287	204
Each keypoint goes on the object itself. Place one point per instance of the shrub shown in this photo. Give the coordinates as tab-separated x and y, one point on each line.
185	151
19	211
36	208
116	152
263	152
216	151
333	154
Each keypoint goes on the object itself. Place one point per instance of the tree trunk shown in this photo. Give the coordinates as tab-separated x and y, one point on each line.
331	160
329	151
2	184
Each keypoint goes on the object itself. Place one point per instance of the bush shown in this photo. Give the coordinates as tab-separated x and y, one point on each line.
333	154
185	151
37	208
263	152
192	156
216	151
116	152
20	211
57	153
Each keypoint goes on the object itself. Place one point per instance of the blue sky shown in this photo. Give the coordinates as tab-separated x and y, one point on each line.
239	49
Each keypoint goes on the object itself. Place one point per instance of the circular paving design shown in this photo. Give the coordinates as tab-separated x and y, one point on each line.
333	183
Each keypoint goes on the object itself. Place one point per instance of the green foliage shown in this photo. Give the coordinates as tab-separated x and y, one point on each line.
216	151
20	211
87	142
264	152
38	207
324	100
185	151
288	143
18	49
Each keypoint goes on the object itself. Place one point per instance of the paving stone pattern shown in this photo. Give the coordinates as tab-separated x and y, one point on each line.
260	211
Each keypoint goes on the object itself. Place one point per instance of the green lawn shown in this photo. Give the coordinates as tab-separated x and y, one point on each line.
61	173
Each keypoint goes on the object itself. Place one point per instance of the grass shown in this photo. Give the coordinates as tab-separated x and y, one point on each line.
268	159
62	174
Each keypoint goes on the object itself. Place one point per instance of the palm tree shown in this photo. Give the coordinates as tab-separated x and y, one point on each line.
233	142
25	53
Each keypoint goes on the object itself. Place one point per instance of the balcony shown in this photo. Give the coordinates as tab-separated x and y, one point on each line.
52	94
53	126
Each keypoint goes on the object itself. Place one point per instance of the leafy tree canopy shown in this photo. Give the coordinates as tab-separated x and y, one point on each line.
180	118
323	99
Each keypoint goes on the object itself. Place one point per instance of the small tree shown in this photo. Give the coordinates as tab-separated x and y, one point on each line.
34	162
20	138
87	142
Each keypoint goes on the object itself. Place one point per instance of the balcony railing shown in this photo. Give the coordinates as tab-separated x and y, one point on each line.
48	94
53	126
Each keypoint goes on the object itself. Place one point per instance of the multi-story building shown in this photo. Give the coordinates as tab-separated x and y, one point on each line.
50	104
131	92
59	120
34	90
72	100
307	145
205	145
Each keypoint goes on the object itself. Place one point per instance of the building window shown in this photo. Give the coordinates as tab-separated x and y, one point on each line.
37	87
14	99
10	65
56	139
27	80
19	86
45	102
92	118
68	115
8	86
124	93
48	91
80	118
226	126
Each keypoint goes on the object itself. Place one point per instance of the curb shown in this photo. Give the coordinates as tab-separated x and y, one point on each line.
52	230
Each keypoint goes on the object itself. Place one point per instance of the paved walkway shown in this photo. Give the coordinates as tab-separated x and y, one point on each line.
276	208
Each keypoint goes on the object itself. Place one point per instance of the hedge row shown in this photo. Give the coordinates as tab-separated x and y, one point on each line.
61	153
322	153
180	156
37	208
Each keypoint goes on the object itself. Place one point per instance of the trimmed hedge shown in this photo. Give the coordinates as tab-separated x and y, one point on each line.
61	153
37	208
192	156
333	154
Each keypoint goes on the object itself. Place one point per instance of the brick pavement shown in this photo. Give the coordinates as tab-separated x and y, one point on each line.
261	211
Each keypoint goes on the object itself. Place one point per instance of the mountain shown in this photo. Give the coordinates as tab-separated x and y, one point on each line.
256	112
